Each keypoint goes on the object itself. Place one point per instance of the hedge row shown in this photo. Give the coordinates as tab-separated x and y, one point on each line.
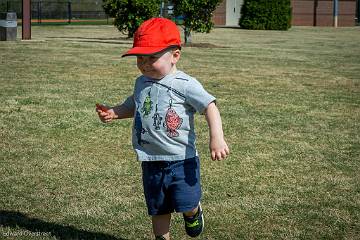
266	14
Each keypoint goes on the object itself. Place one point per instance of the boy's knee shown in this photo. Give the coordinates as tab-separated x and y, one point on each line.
192	212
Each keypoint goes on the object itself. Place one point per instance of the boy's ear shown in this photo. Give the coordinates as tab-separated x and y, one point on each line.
176	56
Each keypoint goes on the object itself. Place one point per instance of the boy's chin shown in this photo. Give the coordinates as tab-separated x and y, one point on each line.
156	75
153	76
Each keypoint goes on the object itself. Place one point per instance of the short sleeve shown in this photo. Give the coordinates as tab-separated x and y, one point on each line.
129	102
197	96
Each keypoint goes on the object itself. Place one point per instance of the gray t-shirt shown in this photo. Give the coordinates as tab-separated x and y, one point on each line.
164	116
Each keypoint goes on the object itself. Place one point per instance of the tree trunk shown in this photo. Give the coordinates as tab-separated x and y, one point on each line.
187	34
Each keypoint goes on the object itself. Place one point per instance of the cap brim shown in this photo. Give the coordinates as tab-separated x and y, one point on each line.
146	51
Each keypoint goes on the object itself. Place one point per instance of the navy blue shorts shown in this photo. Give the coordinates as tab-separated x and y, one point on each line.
171	185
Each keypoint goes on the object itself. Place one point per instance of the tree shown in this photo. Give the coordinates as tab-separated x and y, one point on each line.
266	14
129	14
197	15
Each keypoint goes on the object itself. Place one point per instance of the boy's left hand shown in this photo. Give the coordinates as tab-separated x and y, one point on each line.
218	148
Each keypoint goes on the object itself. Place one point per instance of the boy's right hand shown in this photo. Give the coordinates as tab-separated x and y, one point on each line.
105	114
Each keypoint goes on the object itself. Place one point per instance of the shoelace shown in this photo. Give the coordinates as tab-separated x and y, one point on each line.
193	224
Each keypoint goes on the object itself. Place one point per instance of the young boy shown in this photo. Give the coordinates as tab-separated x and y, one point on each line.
163	105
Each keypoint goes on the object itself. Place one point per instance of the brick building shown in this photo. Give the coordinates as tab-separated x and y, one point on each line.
304	12
320	12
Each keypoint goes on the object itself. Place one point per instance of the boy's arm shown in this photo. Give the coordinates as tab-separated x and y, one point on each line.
117	112
121	111
218	147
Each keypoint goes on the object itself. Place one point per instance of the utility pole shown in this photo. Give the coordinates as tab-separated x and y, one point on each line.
336	13
26	19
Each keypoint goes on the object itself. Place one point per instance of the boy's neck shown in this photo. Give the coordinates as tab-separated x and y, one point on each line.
173	70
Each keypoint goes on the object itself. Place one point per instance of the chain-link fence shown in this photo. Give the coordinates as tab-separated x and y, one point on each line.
67	11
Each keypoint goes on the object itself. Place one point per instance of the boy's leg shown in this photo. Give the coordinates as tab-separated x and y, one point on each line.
155	183
161	225
186	194
194	221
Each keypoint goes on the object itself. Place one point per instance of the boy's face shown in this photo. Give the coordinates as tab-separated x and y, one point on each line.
159	65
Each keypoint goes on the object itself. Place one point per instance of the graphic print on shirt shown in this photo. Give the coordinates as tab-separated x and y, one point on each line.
157	119
147	105
139	129
172	121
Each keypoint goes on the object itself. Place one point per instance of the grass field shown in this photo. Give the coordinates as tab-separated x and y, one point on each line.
290	103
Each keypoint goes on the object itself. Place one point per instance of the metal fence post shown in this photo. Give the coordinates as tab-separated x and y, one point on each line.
357	12
161	8
336	12
316	3
39	11
69	11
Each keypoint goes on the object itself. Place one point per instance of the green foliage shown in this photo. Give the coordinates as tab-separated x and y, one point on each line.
197	13
266	15
129	14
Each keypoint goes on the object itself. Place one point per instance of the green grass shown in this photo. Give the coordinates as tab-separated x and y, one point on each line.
290	103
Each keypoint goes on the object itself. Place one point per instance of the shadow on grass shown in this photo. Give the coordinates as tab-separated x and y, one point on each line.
202	45
118	40
128	40
14	219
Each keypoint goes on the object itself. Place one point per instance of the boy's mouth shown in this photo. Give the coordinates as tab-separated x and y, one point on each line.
148	70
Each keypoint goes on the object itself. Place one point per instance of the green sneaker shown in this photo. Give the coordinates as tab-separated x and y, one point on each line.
194	225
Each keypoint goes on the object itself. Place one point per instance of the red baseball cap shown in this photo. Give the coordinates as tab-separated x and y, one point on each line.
154	36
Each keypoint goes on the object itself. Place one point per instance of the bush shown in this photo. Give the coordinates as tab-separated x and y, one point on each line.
129	14
266	15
